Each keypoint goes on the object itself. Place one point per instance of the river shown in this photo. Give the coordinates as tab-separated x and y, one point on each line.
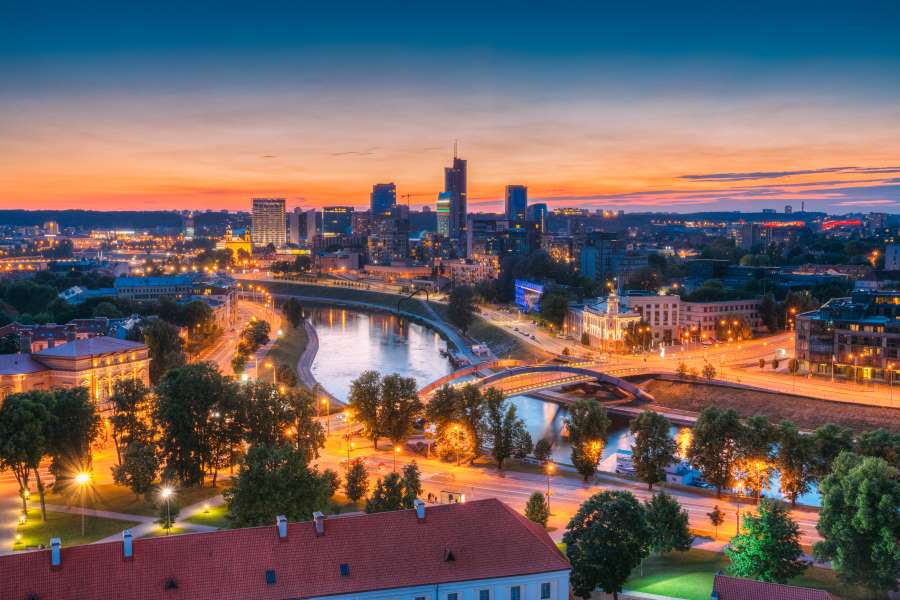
351	342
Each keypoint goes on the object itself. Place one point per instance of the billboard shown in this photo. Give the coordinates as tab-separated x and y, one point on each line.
528	295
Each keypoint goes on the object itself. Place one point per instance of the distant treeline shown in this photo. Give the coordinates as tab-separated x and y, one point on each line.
96	219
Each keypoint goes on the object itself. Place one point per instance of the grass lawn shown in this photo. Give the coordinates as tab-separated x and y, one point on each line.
214	517
67	527
287	349
503	343
690	574
115	498
160	532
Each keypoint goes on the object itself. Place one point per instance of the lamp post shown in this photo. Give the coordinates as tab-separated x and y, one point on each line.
166	494
396	452
82	479
550	469
269	365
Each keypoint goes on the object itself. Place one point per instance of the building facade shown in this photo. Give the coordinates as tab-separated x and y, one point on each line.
603	324
516	203
268	222
153	288
337	221
455	184
382	200
443	214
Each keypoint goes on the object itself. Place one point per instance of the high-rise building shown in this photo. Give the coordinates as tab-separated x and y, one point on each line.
389	239
384	198
188	227
337	220
310	224
538	213
268	224
516	204
443	214
455	185
293	225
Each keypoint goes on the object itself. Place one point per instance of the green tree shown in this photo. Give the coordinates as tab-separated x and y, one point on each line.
768	312
537	510
542	449
130	419
166	348
755	465
23	439
266	413
554	307
387	495
859	521
293	311
365	402
716	446
412	484
794	460
461	307
668	524
587	424
506	430
286	375
272	481
138	468
74	425
716	517
356	482
167	511
452	407
879	443
306	431
401	407
606	539
653	449
709	371
768	547
333	480
682	370
828	441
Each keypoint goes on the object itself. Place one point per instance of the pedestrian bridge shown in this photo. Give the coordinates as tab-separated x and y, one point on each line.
515	377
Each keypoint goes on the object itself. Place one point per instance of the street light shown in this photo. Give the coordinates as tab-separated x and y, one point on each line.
166	494
396	452
550	469
82	479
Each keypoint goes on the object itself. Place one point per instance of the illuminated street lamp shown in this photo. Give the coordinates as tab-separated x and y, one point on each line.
550	470
396	452
166	494
82	479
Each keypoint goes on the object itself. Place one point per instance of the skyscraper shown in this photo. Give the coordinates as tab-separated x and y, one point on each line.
384	198
443	214
268	222
516	204
293	225
538	213
337	220
455	186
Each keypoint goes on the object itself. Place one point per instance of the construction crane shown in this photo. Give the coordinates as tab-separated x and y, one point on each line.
408	196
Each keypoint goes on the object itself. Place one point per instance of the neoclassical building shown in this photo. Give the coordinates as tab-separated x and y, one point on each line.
95	363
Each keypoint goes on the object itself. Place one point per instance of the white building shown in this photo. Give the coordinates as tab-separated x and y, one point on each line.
268	224
605	321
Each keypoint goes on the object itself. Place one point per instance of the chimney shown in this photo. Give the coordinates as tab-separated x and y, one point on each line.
420	510
51	342
281	521
55	545
127	544
25	337
71	332
319	520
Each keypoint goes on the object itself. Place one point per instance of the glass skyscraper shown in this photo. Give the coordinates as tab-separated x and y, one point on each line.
516	204
455	186
383	199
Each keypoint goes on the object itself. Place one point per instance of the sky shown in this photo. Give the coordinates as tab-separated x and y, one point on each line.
634	105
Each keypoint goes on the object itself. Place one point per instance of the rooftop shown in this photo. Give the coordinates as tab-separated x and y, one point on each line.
736	588
121	282
458	542
100	344
19	364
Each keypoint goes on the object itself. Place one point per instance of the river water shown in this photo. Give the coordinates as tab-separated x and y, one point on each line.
352	342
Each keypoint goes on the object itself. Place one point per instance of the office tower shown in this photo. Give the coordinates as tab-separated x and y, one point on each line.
188	228
337	220
389	240
538	214
364	222
268	222
293	225
455	185
384	198
443	214
310	224
516	204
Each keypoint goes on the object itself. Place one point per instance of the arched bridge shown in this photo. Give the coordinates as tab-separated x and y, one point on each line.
519	378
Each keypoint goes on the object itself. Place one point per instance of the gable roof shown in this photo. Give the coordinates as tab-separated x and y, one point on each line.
381	551
100	344
737	588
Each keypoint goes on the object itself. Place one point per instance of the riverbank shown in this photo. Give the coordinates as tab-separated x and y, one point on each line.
807	413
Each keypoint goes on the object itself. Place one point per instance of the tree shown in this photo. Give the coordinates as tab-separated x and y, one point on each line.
554	307
537	510
755	466
506	430
306	431
387	495
23	439
138	468
542	449
365	402
461	307
605	540
768	547
709	372
716	517
412	484
451	409
716	446
587	424
880	443
653	449
668	524
293	312
356	483
638	335
768	312
333	480
130	418
859	521
166	348
401	407
168	510
267	415
828	441
682	370
74	425
286	375
762	363
794	460
272	481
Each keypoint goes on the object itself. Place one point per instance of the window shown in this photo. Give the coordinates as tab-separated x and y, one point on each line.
452	596
545	591
420	598
484	594
515	593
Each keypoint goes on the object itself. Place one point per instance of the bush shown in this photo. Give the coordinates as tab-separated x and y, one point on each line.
537	510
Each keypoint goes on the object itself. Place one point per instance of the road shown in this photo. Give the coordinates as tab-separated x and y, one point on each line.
222	351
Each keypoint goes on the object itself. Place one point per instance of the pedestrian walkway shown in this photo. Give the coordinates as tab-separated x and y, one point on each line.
149	525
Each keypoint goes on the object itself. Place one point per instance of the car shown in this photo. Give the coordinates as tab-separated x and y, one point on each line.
532	337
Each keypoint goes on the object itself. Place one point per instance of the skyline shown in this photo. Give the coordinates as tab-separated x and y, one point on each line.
642	108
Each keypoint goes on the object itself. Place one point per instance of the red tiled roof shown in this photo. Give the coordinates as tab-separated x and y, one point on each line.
736	588
384	550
